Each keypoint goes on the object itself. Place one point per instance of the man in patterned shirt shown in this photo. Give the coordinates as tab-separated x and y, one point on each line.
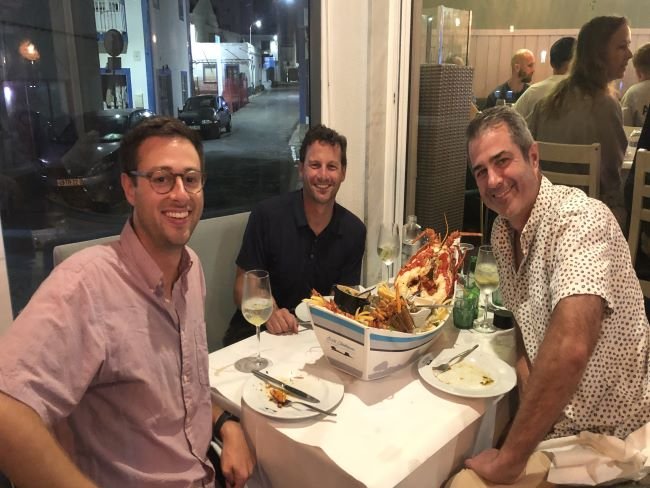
565	273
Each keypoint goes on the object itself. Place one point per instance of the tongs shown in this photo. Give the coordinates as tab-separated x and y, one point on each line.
368	290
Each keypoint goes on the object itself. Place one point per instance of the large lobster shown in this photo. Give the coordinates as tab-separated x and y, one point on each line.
431	272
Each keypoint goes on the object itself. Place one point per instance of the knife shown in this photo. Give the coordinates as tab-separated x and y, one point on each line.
291	390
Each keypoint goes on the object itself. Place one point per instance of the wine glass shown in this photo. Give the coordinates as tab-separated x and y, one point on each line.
256	306
487	279
388	245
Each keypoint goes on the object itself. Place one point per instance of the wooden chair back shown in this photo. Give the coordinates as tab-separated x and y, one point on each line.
640	211
565	158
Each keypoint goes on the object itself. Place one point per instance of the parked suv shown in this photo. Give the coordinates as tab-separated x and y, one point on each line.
207	114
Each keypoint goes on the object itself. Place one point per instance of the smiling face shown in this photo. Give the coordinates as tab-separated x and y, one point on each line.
508	184
322	173
618	53
164	223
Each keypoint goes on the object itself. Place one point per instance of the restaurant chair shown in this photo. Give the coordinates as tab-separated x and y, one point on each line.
572	165
640	213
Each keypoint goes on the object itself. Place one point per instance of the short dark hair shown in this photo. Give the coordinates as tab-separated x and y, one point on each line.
502	115
562	51
320	133
641	59
152	127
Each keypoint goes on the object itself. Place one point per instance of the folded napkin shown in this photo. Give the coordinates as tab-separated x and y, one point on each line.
533	477
595	459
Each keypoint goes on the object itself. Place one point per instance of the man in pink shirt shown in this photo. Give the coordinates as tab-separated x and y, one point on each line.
104	375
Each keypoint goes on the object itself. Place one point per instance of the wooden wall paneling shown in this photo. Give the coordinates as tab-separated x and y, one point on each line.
481	51
507	48
492	63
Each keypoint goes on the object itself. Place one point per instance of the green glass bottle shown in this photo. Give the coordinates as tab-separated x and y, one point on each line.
472	288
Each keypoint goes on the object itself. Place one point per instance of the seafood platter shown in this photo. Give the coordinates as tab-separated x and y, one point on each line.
382	336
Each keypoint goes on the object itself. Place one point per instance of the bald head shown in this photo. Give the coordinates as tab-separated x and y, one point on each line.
523	65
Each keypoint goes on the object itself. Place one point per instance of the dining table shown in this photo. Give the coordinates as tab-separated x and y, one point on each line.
393	431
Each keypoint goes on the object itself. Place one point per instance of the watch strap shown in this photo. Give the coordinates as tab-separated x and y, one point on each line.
223	418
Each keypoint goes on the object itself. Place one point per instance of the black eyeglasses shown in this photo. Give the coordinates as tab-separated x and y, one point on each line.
162	180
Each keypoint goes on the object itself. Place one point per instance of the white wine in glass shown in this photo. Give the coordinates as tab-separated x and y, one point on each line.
256	306
486	277
388	245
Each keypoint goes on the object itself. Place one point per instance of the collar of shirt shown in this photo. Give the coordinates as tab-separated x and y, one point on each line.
503	230
334	225
140	259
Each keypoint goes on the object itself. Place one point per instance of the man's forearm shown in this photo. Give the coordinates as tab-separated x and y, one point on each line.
522	364
556	373
29	454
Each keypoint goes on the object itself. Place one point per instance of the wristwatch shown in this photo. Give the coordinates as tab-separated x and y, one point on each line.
223	418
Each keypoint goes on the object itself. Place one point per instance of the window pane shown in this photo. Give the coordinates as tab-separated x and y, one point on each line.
74	80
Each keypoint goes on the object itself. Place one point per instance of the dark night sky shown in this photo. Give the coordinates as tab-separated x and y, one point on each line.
264	9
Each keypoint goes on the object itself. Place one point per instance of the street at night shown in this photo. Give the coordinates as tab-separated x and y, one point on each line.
251	163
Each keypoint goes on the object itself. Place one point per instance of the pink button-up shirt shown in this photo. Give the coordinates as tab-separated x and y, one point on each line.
118	372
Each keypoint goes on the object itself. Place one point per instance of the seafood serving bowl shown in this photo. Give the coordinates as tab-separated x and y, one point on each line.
366	352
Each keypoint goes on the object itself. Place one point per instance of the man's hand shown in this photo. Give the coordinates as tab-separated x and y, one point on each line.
492	466
237	461
282	322
554	377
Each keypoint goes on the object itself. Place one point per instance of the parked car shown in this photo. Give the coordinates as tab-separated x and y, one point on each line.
208	114
81	167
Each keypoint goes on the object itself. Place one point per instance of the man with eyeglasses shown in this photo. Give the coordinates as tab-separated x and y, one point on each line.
110	355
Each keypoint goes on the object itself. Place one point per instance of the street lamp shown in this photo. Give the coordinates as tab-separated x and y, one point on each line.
258	24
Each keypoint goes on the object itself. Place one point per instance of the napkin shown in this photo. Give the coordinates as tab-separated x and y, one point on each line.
591	459
533	476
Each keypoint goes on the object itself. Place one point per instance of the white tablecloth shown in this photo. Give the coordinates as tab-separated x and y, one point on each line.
392	431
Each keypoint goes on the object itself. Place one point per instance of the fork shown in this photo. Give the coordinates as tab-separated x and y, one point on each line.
288	403
446	366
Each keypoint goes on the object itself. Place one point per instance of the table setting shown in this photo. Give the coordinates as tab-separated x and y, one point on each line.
361	405
384	430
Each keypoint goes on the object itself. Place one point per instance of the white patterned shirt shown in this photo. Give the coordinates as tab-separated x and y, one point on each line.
571	245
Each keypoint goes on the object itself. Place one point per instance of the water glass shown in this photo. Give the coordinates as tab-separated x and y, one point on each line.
464	311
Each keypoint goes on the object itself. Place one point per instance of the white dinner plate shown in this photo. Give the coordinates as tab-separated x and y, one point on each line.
464	379
256	393
302	312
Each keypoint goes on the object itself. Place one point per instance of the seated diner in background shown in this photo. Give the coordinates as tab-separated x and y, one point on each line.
304	239
636	100
561	53
104	374
582	109
522	66
565	273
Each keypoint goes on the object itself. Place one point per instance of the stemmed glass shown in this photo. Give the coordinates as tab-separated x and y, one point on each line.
388	245
487	279
256	306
